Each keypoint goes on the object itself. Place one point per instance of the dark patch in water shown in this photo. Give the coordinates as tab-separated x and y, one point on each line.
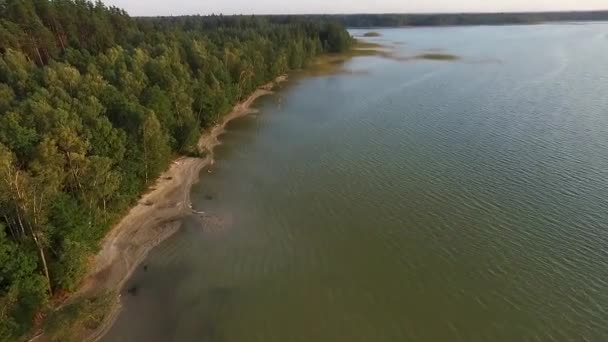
133	290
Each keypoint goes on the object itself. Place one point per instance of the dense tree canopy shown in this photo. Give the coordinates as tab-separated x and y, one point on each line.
94	104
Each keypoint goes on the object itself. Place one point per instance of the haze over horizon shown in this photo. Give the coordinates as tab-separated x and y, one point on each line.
183	7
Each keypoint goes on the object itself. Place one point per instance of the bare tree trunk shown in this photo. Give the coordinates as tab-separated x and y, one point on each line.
36	210
46	269
19	219
59	36
37	51
17	203
43	259
198	114
61	41
146	159
73	172
12	225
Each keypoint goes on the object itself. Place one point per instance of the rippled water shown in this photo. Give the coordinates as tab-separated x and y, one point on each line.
406	201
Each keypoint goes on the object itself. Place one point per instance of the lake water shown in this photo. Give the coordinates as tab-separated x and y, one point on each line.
403	201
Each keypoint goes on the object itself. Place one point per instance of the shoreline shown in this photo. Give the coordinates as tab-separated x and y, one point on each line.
156	217
157	214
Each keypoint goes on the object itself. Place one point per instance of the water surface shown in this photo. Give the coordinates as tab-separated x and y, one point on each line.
406	201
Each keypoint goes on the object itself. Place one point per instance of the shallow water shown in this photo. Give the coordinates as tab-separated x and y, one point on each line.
415	201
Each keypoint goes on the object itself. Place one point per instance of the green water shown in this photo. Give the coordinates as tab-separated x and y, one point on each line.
403	201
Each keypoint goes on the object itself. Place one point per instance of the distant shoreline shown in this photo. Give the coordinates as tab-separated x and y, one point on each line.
556	22
413	20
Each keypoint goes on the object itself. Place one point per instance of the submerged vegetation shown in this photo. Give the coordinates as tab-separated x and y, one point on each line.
436	56
334	63
363	48
363	45
93	105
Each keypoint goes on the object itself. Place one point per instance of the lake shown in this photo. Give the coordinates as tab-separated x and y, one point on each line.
403	200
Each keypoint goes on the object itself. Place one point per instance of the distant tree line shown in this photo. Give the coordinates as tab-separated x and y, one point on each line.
458	19
94	104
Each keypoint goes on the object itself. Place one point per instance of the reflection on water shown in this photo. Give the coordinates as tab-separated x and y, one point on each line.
418	201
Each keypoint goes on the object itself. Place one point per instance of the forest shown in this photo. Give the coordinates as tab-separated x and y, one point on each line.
459	19
94	105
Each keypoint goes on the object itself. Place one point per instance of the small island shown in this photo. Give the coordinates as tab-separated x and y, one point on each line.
372	34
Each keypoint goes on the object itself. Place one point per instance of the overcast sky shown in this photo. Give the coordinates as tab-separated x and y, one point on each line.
178	7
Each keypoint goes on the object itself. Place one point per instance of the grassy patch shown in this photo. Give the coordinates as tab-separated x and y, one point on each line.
78	319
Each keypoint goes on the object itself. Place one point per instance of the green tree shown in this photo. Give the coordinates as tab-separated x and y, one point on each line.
22	289
155	145
6	97
16	71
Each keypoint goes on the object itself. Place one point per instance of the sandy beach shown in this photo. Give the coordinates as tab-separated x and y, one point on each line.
156	217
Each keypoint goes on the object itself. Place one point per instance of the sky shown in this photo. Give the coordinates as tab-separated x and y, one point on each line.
180	7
